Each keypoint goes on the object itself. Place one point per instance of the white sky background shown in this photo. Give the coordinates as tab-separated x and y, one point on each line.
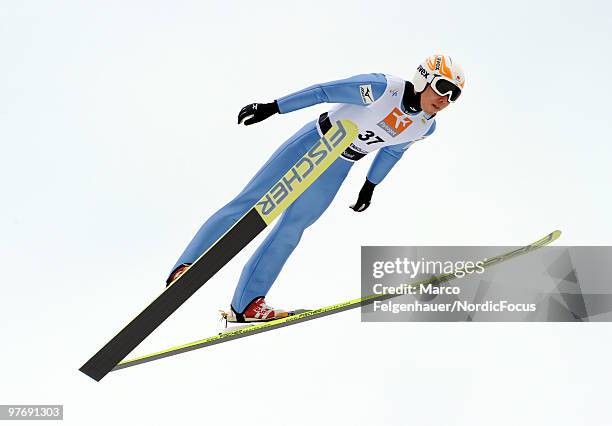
119	137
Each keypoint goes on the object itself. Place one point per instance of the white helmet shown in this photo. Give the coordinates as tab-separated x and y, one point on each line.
440	70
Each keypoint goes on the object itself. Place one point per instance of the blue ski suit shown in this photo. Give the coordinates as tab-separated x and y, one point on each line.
265	264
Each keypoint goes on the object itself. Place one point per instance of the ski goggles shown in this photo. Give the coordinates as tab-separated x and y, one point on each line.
444	87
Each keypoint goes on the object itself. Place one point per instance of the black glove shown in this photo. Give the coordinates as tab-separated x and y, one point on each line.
254	113
365	197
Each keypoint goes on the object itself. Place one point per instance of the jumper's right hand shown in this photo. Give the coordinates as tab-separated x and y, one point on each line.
254	113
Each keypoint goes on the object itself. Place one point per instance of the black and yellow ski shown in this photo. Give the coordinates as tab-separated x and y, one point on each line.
328	310
280	196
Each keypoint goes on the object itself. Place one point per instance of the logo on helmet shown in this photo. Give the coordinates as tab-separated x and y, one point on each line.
438	62
423	71
460	81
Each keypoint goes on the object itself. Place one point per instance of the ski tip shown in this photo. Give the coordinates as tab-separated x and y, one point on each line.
555	234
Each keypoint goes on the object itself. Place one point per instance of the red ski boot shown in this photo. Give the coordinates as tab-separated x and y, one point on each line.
257	311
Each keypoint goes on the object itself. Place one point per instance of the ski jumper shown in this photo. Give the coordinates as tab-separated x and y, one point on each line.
374	103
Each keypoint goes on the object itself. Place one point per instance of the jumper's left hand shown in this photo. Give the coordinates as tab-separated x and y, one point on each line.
365	197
